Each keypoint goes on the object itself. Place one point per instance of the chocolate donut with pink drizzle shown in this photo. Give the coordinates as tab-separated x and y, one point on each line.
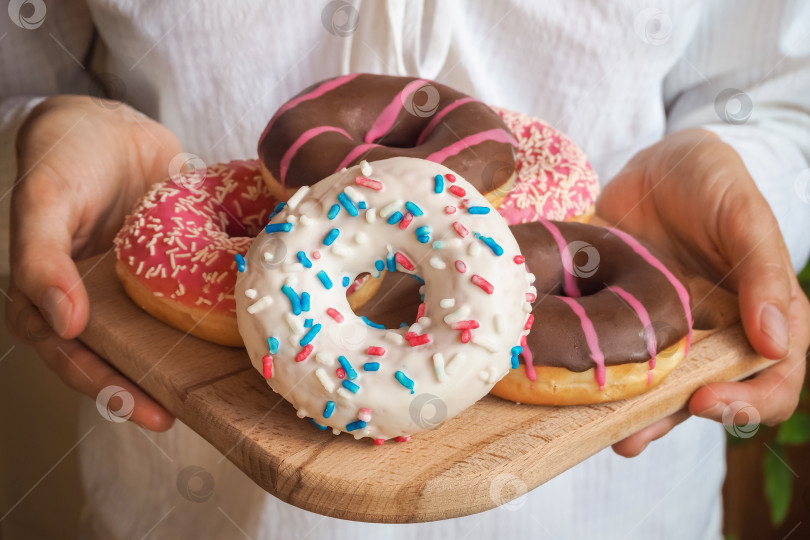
339	122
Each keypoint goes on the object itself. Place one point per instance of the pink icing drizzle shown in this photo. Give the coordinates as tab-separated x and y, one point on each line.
590	338
497	135
570	284
528	360
644	317
355	152
679	288
306	136
437	118
388	116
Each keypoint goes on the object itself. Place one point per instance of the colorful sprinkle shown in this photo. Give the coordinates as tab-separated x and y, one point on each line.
376	351
317	425
359	424
347	203
340	373
362	205
485	285
458	191
376	185
404	438
491	244
329	409
466	335
346	281
331	237
334	210
309	336
295	301
391	263
304	301
519	259
278	227
515	362
461	267
404	380
324	279
516	350
371	323
420	311
419	340
379	265
438	183
404	261
267	366
350	386
347	367
406	220
316	254
301	356
272	344
413	208
450	177
364	414
460	229
449	209
240	262
477	210
308	323
438	244
303	259
529	322
371	366
424	230
465	325
394	218
379	442
335	314
279	207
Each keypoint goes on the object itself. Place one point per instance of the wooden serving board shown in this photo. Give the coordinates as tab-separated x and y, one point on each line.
491	453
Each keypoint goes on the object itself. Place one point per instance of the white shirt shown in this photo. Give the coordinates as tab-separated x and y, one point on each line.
614	76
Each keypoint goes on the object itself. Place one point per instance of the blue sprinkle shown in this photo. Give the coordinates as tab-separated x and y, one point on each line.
438	244
424	230
477	210
379	265
347	203
361	205
277	227
413	209
515	362
423	239
371	366
350	386
295	302
392	263
325	279
272	344
331	237
404	380
347	367
372	324
279	207
403	325
304	301
438	183
346	281
417	278
490	243
333	211
307	323
516	350
309	336
317	425
240	262
359	424
395	218
303	259
329	409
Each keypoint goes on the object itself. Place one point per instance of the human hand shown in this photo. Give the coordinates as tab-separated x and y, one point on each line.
82	163
691	197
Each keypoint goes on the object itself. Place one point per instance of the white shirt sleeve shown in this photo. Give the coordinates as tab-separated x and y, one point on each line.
746	77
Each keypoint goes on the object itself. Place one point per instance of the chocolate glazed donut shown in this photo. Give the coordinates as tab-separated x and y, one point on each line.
339	122
609	322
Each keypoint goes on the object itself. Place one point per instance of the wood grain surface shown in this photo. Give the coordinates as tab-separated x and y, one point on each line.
491	453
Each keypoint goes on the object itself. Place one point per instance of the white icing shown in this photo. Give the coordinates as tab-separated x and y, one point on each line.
443	367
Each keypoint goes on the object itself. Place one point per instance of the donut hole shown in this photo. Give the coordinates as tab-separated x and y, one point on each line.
395	302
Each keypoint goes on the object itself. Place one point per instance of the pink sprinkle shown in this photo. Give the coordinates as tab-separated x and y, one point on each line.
406	220
461	267
449	209
376	351
530	297
403	260
301	356
267	366
341	373
335	314
369	183
378	442
529	322
450	177
466	336
420	311
419	340
410	335
316	255
460	229
458	191
465	325
403	438
481	282
519	259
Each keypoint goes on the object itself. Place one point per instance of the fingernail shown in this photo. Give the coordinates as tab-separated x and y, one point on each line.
773	323
57	308
715	412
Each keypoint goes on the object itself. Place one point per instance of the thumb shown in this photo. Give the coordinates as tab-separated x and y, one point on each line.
41	263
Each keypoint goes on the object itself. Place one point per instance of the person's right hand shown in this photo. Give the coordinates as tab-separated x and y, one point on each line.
82	162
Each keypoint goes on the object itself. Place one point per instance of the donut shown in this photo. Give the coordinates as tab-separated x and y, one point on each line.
175	251
611	320
351	374
338	122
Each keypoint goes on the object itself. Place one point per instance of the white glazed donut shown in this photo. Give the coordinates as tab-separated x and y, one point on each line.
343	371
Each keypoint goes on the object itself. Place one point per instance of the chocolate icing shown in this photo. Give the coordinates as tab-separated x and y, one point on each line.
355	106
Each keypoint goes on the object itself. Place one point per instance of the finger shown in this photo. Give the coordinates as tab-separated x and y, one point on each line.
635	444
41	263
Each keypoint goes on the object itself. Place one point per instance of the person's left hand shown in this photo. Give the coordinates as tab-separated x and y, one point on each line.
691	197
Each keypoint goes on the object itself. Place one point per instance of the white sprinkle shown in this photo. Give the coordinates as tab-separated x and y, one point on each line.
533	290
268	257
531	277
453	243
447	303
416	328
260	304
499	325
251	293
305	221
291	280
422	289
364	415
295	199
474	249
455	363
327	383
293	340
301	413
390	208
484	375
340	250
493	375
345	393
296	327
353	194
458	315
438	367
365	168
361	238
293	267
336	431
371	215
527	307
394	338
325	359
437	263
292	219
424	321
485	343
